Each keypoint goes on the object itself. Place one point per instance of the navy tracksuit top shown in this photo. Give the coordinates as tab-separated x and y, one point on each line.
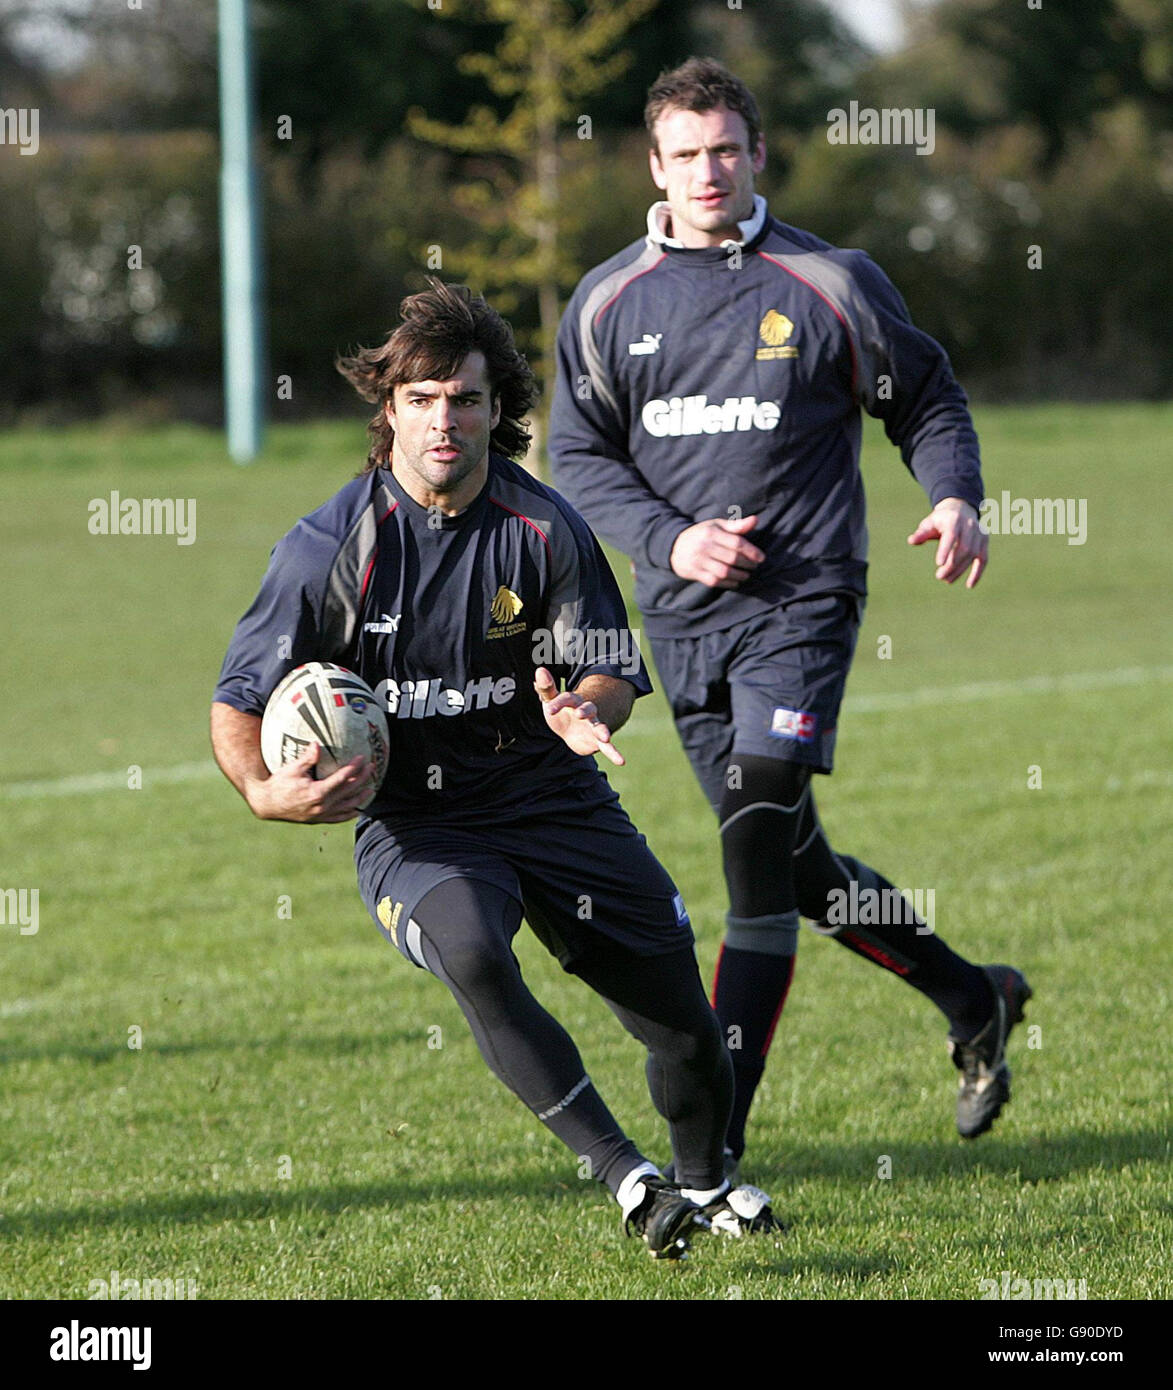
727	381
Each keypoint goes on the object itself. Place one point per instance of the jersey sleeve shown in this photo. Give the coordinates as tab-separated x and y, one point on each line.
907	381
585	613
588	451
281	630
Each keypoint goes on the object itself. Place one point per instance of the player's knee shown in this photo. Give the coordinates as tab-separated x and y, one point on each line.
478	969
816	876
710	1053
759	826
761	811
750	778
696	1057
698	1046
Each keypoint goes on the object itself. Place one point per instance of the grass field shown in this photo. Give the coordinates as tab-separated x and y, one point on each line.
286	1130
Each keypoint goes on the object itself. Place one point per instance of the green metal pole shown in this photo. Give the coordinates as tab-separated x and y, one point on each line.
240	258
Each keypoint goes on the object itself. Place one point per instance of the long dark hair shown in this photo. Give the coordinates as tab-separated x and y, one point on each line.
441	326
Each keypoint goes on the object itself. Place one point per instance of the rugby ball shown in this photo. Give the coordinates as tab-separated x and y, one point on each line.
328	705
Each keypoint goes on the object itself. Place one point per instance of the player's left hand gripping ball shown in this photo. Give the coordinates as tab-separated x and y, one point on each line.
331	706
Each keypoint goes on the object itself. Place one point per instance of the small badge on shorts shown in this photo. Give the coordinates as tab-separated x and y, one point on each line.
681	911
796	724
389	913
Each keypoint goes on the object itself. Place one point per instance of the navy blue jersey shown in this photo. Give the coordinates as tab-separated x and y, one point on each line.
727	381
446	618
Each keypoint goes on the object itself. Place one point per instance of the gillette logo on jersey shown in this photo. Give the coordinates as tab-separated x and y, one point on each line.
694	415
422	699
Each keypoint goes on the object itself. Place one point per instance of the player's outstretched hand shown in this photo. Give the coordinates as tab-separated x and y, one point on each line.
962	542
715	552
294	794
575	720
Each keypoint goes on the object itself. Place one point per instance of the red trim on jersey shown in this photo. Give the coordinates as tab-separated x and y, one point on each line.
599	314
827	302
366	579
527	521
778	1010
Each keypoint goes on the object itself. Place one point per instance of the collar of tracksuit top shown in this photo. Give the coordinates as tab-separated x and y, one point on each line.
660	219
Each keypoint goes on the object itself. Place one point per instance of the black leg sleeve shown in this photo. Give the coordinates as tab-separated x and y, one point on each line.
466	928
660	1000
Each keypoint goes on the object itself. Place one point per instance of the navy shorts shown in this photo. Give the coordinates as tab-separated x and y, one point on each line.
571	857
771	686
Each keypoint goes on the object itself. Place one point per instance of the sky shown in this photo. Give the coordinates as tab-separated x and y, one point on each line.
878	22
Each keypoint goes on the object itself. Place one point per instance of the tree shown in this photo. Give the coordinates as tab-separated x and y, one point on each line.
797	58
552	55
338	70
1055	67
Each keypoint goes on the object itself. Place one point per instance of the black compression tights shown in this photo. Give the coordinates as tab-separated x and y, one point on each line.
467	928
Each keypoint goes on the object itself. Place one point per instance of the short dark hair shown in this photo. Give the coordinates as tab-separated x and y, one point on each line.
702	84
441	326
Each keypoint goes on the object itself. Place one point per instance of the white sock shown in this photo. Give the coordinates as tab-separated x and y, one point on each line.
702	1199
631	1189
